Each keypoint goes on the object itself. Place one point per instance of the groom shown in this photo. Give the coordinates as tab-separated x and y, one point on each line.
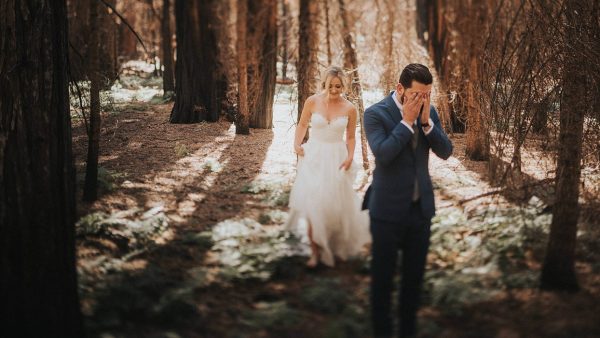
401	129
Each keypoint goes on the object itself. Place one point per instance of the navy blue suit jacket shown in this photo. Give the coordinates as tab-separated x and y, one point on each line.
390	195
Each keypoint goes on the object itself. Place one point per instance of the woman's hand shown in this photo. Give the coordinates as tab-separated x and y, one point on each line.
299	150
346	164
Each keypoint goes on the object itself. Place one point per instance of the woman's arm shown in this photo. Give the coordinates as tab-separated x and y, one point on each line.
350	138
302	126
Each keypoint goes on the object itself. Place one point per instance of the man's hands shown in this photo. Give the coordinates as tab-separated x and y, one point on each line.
412	107
426	108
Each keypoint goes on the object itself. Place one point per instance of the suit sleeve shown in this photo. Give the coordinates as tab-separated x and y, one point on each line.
438	140
385	147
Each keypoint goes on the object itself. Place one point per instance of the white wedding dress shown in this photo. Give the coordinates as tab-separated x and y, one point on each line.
323	196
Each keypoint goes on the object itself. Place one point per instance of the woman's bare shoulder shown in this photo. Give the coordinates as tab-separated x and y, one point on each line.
349	106
312	100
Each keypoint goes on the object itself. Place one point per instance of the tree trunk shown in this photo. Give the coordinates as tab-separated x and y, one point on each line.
540	118
199	89
558	271
226	30
539	125
440	44
90	189
79	16
423	18
262	71
127	41
390	76
243	116
284	38
38	286
307	53
351	62
167	50
478	146
327	32
108	65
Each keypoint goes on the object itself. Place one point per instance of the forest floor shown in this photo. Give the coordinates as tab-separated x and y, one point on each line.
186	240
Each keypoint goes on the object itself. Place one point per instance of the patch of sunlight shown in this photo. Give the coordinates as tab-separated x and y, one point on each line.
212	165
276	190
138	227
196	197
208	155
139	65
106	158
134	145
214	170
137	185
143	94
280	159
135	264
472	255
186	207
273	217
245	249
135	228
204	161
165	181
235	229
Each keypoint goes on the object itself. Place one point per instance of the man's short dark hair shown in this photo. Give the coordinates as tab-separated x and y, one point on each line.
417	72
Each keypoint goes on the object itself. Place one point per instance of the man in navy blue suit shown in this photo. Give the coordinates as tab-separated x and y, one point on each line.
401	129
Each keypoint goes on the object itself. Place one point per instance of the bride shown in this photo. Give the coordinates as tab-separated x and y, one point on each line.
322	194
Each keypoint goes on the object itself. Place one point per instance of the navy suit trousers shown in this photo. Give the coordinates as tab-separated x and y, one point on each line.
411	235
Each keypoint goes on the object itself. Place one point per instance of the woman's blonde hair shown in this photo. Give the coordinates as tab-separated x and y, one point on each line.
332	72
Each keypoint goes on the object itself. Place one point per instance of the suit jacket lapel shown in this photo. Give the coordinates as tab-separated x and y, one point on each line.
393	110
396	116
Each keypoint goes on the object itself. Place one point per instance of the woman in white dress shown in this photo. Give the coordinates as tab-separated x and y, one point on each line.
322	194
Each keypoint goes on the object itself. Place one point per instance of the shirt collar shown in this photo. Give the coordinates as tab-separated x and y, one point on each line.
395	97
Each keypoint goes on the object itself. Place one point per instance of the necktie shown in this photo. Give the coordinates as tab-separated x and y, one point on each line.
414	141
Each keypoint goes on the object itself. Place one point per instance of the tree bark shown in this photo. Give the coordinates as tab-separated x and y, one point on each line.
199	89
540	118
327	32
390	77
351	62
307	53
127	41
79	16
440	44
243	117
262	63
284	38
477	145
90	189
558	271
167	50
38	286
